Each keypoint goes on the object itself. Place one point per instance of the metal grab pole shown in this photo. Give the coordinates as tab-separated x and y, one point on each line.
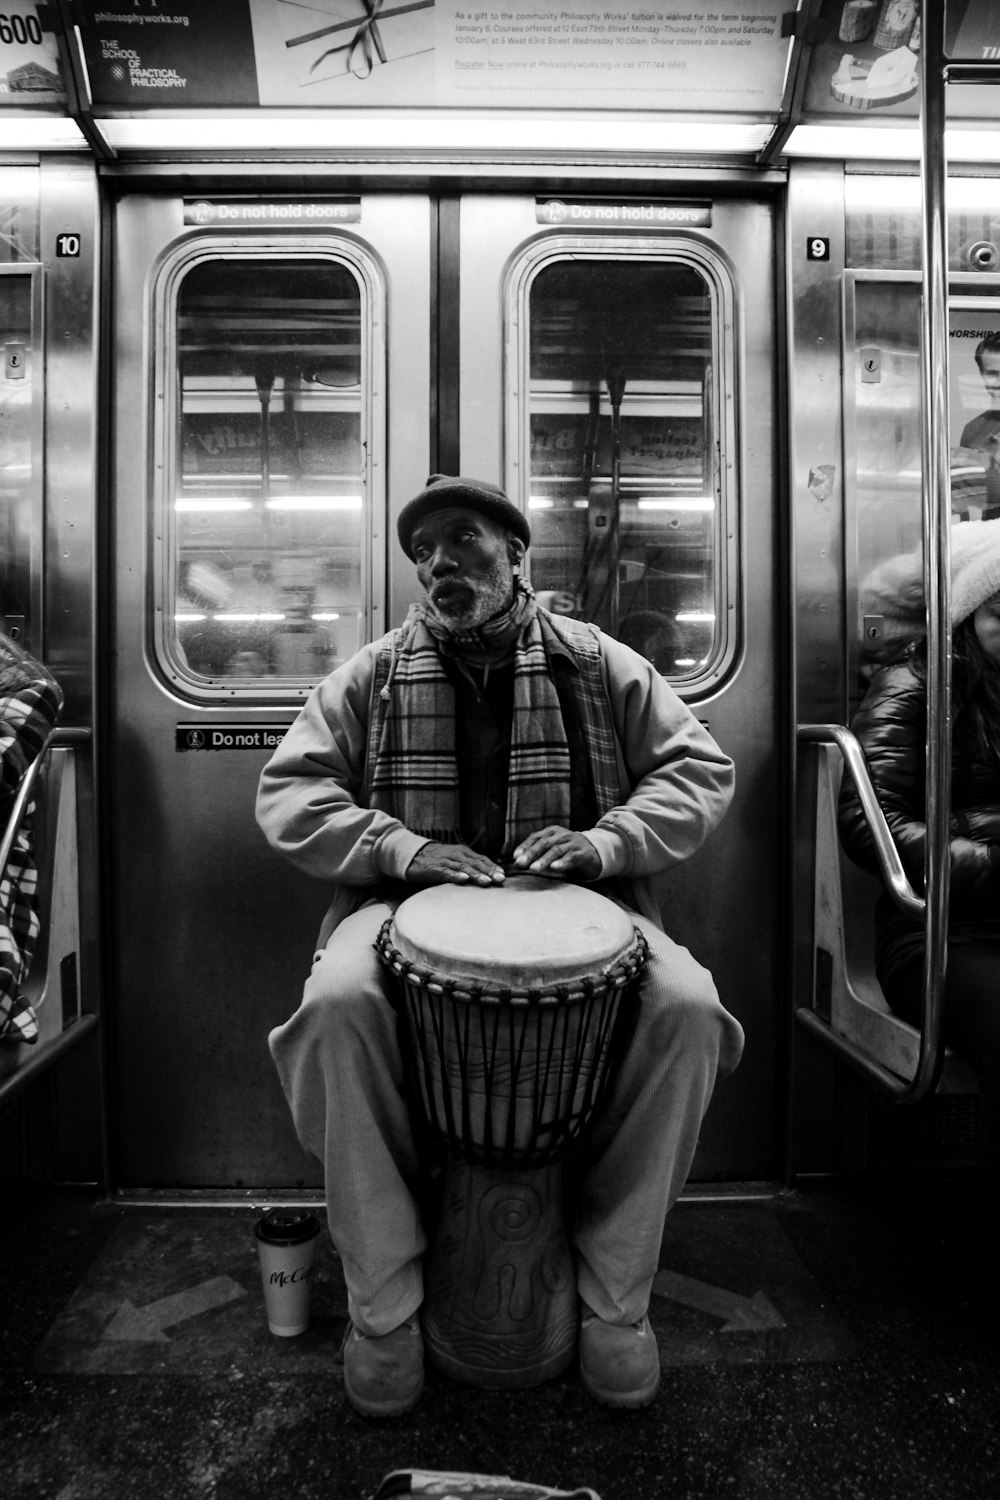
936	500
936	511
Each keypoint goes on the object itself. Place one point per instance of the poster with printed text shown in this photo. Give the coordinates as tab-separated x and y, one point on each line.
522	54
669	55
29	60
672	56
157	54
589	54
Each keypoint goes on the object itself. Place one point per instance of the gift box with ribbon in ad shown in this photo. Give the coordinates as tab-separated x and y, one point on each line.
327	39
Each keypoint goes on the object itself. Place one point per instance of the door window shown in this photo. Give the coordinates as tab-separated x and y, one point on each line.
266	575
624	426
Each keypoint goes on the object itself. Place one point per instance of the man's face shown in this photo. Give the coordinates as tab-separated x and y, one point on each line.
989	369
463	561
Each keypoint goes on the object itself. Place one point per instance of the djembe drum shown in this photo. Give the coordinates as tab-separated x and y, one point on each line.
515	1005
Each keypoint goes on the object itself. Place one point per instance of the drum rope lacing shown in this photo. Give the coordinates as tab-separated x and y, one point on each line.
509	1076
616	975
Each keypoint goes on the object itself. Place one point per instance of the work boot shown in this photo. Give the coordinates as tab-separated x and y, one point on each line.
619	1365
384	1375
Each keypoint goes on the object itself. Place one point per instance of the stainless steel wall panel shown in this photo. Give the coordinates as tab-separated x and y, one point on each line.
815	214
69	236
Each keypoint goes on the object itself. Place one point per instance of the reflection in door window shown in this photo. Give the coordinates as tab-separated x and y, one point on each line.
885	442
266	556
624	492
17	437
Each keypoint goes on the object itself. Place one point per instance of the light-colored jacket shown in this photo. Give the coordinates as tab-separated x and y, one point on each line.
312	802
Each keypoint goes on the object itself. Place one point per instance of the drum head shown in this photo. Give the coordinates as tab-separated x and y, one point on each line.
520	935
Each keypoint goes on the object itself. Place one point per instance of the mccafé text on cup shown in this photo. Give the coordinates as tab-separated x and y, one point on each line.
286	1242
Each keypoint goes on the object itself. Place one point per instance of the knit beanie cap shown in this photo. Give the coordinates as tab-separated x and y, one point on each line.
444	491
895	589
975	567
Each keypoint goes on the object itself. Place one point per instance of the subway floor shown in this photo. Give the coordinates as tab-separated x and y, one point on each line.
838	1340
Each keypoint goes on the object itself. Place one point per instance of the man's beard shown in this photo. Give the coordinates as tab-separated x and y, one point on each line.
468	603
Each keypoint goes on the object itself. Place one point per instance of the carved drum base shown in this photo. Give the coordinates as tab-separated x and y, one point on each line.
500	1301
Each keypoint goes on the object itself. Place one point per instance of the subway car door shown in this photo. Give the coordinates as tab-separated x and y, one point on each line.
614	369
255	460
617	369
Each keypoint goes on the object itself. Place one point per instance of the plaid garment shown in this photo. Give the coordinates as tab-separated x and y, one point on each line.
30	701
414	770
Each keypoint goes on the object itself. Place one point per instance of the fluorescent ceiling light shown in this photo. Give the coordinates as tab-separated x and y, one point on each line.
895	143
314	502
695	616
199	504
415	133
888	143
541	502
700	503
185	619
326	614
441	134
250	617
40	133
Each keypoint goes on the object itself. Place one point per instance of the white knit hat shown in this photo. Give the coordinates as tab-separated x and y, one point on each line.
895	589
975	567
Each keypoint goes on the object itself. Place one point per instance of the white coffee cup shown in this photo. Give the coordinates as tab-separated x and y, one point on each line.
286	1242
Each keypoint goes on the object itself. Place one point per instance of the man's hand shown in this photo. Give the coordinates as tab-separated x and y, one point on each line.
444	864
560	851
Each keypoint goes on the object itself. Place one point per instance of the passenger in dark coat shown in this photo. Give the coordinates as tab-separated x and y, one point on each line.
891	725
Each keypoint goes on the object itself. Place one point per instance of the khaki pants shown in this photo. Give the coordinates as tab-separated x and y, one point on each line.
340	1067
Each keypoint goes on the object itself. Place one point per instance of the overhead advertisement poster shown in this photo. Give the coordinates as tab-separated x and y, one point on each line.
673	55
156	54
29	61
523	54
866	57
589	54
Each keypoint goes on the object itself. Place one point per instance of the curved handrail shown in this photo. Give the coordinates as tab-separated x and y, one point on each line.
56	737
889	861
22	802
931	1054
48	1052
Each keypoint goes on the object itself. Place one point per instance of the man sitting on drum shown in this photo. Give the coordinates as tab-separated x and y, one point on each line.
486	736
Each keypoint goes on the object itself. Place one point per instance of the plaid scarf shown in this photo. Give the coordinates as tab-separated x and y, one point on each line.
411	749
29	706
